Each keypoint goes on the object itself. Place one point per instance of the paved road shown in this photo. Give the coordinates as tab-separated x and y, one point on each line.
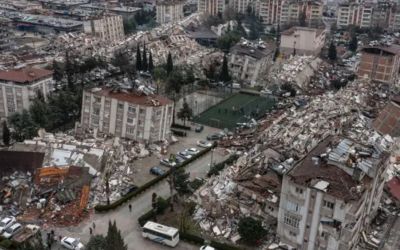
127	221
392	242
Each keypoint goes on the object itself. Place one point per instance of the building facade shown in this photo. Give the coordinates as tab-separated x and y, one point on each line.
108	28
306	41
211	7
331	196
357	14
380	64
169	11
20	86
247	60
131	115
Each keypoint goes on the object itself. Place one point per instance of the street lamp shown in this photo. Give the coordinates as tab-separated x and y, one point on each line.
211	160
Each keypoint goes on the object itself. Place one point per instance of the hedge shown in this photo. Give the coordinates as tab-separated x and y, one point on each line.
180	126
144	187
178	133
218	167
191	238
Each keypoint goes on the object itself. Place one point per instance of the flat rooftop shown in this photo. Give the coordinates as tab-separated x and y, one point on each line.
25	75
40	19
126	9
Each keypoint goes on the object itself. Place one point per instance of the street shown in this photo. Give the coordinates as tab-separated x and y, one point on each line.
127	221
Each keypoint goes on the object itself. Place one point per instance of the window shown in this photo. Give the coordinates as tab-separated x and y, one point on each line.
131	109
164	236
141	111
293	234
129	120
328	204
299	190
291	220
292	206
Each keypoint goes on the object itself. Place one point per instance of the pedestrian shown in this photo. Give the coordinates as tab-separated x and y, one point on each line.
60	237
130	207
90	230
94	226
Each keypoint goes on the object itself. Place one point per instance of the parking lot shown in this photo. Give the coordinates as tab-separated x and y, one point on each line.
142	166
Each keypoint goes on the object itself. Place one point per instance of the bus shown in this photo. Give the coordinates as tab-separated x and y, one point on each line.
162	234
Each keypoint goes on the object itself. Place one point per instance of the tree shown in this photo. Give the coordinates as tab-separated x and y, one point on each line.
58	71
302	19
174	82
159	74
129	25
181	181
224	75
251	230
23	125
185	113
276	54
170	65
138	59
332	54
39	112
151	65
69	70
96	242
114	239
144	59
353	44
6	134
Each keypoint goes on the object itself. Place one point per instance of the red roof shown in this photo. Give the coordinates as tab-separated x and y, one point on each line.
135	97
25	75
394	187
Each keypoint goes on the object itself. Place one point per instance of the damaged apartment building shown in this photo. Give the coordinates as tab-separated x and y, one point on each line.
134	114
330	197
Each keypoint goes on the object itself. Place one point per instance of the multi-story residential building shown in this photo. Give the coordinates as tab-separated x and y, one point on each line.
354	13
108	28
19	86
169	11
380	63
132	115
394	19
247	60
211	7
291	12
331	195
306	41
269	11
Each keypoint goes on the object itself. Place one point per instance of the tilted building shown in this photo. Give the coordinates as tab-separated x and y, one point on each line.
128	114
305	41
19	87
108	28
331	195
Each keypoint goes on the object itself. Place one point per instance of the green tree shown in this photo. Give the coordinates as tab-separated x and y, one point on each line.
129	25
353	44
39	112
251	230
114	238
256	27
229	39
181	181
6	134
144	59
96	242
332	54
189	77
121	61
151	64
174	82
23	125
138	59
224	75
58	71
185	113
276	54
170	64
69	70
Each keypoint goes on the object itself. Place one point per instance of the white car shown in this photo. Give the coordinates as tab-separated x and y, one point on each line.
12	230
71	243
185	155
6	223
207	248
204	144
192	151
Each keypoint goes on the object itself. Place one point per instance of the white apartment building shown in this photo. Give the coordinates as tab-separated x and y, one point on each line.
306	41
131	115
169	11
331	195
19	87
211	7
108	28
247	60
357	14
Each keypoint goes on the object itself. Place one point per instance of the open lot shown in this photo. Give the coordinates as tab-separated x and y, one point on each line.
236	108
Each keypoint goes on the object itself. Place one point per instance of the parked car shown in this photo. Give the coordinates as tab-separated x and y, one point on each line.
192	151
215	136
204	144
207	248
12	230
199	128
185	155
168	163
6	223
72	243
128	190
179	159
157	171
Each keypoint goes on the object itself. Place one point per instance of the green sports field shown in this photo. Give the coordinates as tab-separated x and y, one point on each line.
236	108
